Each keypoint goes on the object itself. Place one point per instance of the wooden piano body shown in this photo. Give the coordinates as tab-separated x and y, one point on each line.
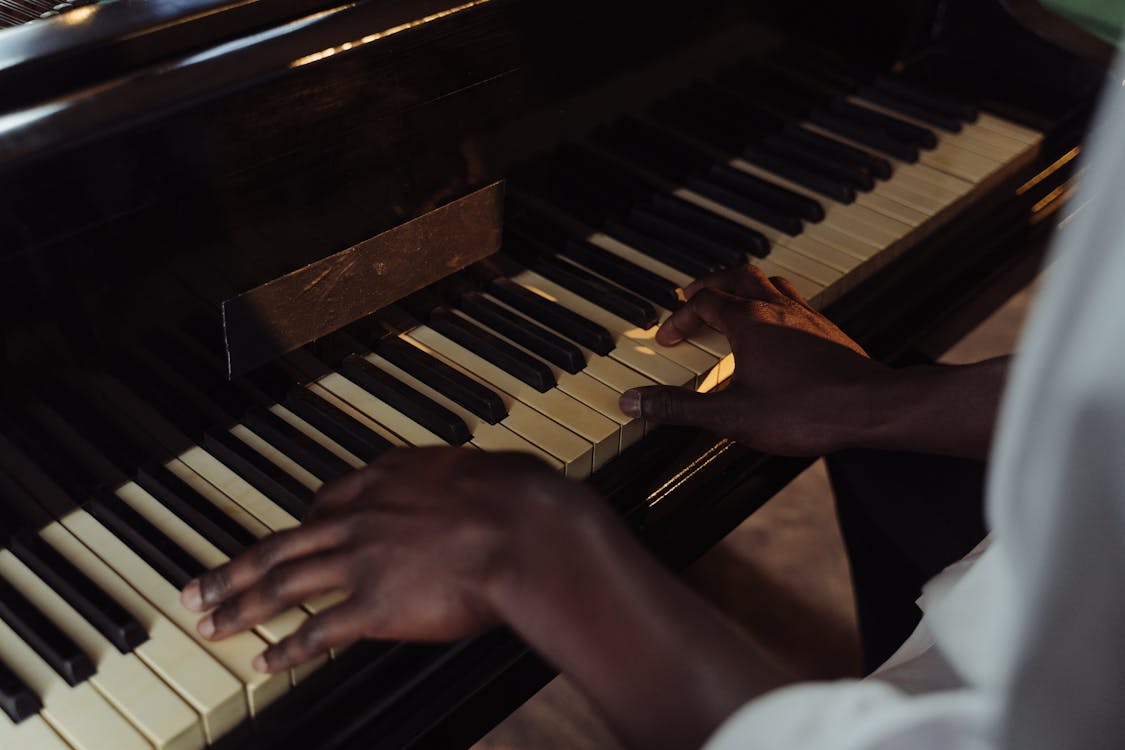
160	158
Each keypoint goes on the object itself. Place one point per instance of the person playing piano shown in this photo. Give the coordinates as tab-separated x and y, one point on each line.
1021	643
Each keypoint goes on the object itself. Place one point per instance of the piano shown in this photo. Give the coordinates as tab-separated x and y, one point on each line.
247	246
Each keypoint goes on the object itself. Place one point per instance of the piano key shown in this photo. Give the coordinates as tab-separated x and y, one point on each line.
377	414
211	691
175	564
920	113
636	351
873	138
350	459
600	385
296	444
622	303
554	404
647	284
16	698
406	400
947	106
494	350
186	538
264	474
32	732
198	678
522	430
355	437
465	391
711	255
547	345
896	127
1011	129
234	653
885	206
708	340
80	715
53	646
831	149
194	509
100	610
581	330
857	178
124	681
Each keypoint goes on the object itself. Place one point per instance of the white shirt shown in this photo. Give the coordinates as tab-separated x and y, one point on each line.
1022	644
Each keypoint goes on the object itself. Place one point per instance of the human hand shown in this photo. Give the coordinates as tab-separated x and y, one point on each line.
418	543
800	385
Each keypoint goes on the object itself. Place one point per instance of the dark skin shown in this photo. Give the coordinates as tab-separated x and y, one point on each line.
439	544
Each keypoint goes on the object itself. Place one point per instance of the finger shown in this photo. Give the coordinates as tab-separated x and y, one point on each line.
678	406
333	628
707	307
786	287
748	281
284	586
219	584
338	493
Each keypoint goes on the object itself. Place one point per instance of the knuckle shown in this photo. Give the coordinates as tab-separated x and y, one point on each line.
274	585
227	616
660	405
314	635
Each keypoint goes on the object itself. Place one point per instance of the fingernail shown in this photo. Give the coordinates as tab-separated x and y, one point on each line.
191	597
207	627
630	403
259	663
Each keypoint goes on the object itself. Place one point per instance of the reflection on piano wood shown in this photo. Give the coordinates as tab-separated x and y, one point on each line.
126	474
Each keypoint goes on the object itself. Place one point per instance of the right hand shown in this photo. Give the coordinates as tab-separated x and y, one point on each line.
799	383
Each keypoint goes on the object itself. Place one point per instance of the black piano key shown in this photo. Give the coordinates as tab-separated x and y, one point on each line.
497	351
269	478
856	176
295	444
94	426
910	109
839	151
945	105
875	138
552	348
162	554
143	378
648	233
43	636
554	316
720	231
792	170
900	130
352	435
401	397
728	197
446	380
193	509
765	192
207	382
99	609
16	698
621	303
645	283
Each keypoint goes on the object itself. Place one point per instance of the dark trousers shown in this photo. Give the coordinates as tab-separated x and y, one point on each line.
904	518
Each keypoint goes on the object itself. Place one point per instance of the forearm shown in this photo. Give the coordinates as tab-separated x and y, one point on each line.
946	410
662	666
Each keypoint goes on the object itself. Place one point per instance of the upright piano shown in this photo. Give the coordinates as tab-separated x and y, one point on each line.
246	246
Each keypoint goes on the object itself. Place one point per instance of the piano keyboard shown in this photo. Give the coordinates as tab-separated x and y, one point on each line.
103	528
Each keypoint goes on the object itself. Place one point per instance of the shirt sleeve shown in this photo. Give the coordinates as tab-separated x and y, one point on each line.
859	715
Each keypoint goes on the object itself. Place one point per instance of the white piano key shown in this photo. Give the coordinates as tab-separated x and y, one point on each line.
32	733
516	432
316	435
408	431
79	714
553	404
272	631
122	679
235	653
196	677
276	457
634	347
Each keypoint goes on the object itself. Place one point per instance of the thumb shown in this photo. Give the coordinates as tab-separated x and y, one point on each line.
678	406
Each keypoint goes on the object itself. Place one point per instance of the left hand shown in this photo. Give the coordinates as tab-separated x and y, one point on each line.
418	542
